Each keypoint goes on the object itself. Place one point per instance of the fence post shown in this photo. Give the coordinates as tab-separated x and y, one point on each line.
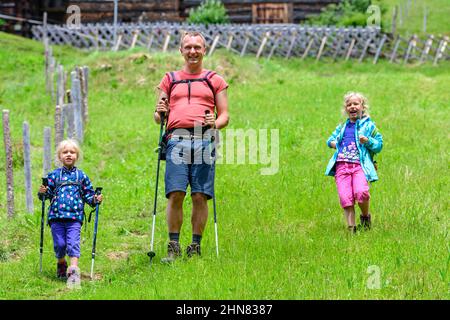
411	45
47	163
135	37
291	46
83	73
380	47
60	85
76	101
363	53
350	49
244	47
27	166
166	43
263	44
69	110
308	47
85	92
214	44
9	165
275	45
59	133
230	40
394	20
322	46
394	51
117	43
440	50
150	41
426	48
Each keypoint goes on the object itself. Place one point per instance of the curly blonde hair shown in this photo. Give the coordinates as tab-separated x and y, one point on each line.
364	102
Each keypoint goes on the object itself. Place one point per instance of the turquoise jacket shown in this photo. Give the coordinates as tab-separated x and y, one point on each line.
365	127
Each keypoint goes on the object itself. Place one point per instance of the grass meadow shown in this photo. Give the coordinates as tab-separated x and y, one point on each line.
281	236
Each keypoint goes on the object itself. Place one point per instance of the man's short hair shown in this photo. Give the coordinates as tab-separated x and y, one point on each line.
192	34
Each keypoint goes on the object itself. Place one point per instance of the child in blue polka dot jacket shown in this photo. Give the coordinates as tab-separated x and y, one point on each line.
68	189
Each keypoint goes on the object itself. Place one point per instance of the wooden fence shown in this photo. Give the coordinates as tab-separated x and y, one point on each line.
70	120
268	40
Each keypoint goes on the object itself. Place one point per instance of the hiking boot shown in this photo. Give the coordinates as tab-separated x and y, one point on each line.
351	229
73	278
173	252
61	270
193	249
366	221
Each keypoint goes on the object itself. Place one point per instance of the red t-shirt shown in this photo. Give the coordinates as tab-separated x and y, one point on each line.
185	112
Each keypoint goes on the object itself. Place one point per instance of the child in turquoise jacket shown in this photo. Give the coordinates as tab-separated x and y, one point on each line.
356	142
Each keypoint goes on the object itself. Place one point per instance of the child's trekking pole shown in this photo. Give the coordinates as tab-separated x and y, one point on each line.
151	253
41	245
214	197
98	191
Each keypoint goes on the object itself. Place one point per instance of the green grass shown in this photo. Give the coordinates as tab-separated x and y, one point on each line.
438	12
280	236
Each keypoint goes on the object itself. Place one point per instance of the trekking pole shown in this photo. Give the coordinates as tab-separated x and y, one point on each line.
98	191
151	253
214	197
41	245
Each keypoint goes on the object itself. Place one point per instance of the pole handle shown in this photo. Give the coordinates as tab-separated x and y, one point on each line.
45	182
162	115
98	190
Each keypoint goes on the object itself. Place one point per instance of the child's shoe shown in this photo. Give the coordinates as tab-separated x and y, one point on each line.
351	229
366	221
61	270
73	278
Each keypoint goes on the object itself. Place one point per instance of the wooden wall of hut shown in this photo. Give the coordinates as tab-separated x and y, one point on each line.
128	10
270	11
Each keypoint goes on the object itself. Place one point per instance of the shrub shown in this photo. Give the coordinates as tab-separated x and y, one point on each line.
346	13
209	12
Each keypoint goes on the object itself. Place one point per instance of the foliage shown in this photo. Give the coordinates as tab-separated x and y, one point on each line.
209	12
346	13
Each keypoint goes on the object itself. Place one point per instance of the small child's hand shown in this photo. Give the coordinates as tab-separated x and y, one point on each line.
42	189
333	144
98	198
363	139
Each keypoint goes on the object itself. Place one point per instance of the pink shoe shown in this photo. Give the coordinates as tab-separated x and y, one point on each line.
73	278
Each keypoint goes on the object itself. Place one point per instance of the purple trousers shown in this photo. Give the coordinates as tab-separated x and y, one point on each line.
66	238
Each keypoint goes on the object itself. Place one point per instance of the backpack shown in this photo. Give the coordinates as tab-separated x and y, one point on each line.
173	82
206	78
59	184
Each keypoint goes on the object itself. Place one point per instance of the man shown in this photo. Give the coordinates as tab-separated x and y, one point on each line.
188	99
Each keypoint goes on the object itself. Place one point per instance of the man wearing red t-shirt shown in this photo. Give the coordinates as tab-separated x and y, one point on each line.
189	99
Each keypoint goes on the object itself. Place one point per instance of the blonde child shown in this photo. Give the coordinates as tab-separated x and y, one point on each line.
69	189
355	141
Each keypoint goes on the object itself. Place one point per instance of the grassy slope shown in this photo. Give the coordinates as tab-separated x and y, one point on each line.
280	236
412	22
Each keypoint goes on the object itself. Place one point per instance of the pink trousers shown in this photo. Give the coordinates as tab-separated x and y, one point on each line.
351	184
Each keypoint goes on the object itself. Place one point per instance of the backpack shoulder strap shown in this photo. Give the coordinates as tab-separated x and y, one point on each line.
173	81
207	79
